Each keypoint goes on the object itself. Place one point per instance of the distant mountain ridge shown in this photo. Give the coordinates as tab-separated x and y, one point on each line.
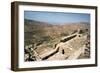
35	21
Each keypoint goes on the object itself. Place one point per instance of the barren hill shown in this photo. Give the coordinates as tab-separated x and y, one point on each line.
56	41
36	31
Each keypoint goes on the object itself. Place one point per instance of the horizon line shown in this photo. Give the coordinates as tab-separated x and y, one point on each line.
56	23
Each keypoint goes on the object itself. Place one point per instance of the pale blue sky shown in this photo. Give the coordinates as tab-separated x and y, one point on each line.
56	17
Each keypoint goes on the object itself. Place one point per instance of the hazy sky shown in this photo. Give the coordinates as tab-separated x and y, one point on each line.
56	17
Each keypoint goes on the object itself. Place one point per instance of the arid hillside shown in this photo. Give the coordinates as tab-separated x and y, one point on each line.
44	38
36	31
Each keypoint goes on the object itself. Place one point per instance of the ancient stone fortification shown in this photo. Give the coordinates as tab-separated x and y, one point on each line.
71	47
